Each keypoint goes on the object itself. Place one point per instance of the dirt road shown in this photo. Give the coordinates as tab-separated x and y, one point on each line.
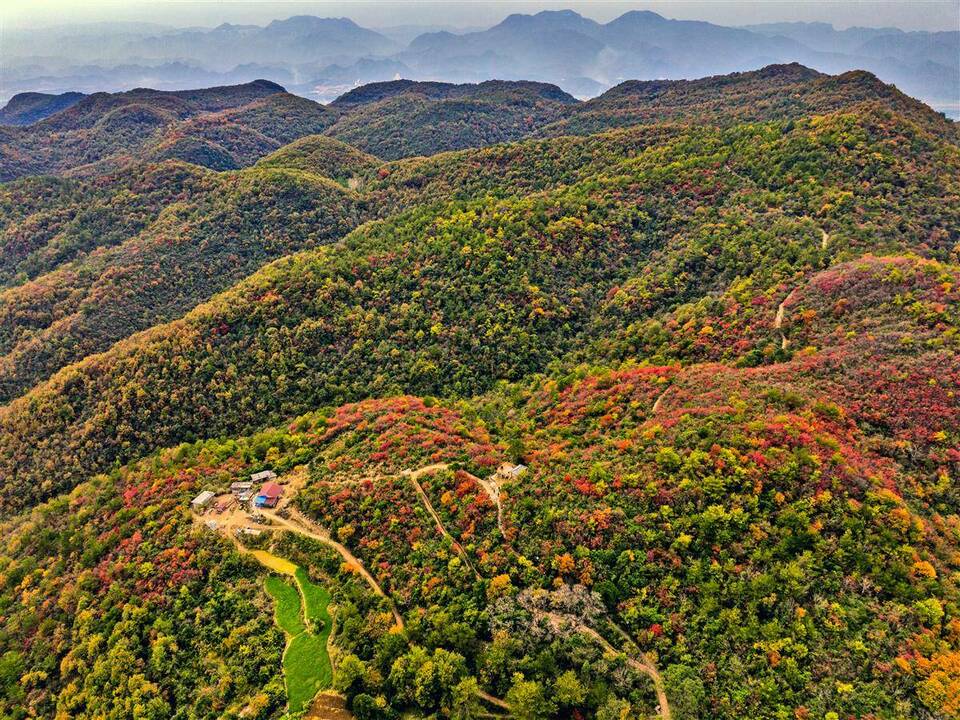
301	524
642	664
425	500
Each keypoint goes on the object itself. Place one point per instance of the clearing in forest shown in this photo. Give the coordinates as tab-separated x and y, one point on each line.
301	610
277	564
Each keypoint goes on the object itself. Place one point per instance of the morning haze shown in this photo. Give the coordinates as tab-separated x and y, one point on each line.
904	14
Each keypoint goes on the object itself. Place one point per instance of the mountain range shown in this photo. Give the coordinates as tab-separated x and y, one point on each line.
322	58
645	406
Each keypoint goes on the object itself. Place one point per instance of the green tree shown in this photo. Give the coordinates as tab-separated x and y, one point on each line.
465	704
614	709
568	690
351	675
527	699
685	690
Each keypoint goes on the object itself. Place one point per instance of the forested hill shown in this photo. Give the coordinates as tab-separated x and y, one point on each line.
104	258
776	91
30	107
403	118
221	128
232	127
82	255
717	321
408	304
375	92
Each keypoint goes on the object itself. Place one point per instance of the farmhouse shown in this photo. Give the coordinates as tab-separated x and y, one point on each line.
268	496
263	476
202	500
508	471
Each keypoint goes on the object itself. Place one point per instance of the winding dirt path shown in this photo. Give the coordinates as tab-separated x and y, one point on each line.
301	524
639	660
413	476
782	308
642	664
778	320
492	488
493	699
651	669
659	401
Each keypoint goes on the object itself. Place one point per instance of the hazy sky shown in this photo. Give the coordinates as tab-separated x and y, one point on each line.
906	14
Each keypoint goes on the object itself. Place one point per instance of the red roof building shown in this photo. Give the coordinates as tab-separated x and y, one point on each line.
269	495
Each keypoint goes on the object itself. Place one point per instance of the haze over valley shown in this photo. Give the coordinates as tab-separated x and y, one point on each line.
321	58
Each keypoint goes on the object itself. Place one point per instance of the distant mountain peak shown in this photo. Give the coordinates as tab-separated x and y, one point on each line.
566	18
312	20
644	15
559	13
266	84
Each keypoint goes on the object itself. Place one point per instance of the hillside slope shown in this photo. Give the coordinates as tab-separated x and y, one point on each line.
171	236
408	304
737	530
45	316
404	118
222	128
772	93
724	340
30	107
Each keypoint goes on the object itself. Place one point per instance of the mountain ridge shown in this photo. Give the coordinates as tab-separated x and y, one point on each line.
340	55
10	416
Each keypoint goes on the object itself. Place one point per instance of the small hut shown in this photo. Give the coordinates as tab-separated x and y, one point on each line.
202	500
509	471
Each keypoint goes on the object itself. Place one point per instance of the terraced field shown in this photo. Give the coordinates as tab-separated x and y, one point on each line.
301	610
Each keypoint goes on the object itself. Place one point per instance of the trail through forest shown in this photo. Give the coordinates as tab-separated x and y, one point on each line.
299	523
302	525
425	499
642	664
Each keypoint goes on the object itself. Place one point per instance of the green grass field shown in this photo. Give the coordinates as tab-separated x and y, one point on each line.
317	599
306	666
287	605
302	612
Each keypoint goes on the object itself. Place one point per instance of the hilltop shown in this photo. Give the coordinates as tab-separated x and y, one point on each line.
228	128
104	259
222	128
30	107
402	118
773	92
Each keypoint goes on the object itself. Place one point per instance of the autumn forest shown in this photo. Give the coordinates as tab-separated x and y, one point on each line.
482	401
